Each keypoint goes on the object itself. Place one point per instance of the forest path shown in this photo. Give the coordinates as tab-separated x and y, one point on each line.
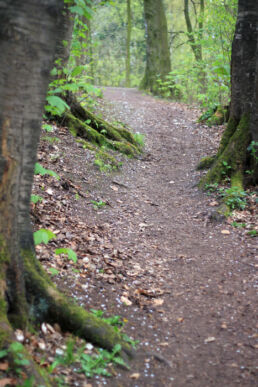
190	287
201	319
205	326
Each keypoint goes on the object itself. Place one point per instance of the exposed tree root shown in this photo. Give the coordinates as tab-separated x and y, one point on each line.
52	306
46	303
81	122
231	161
231	158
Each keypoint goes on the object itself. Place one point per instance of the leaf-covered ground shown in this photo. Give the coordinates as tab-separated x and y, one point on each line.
184	286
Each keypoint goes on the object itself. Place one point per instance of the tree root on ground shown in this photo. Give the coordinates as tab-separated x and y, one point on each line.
231	158
47	304
82	123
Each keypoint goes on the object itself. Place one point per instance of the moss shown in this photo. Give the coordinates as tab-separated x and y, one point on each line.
87	145
205	162
237	180
228	133
127	149
107	158
81	129
219	117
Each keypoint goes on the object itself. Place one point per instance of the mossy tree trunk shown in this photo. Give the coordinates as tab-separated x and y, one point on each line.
158	63
233	156
28	40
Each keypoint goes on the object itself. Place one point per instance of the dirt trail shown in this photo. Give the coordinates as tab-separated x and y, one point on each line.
205	327
191	287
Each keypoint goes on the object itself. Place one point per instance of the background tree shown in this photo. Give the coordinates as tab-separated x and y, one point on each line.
128	44
234	150
195	36
158	63
29	34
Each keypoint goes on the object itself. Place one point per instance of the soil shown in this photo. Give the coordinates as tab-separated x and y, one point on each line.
185	284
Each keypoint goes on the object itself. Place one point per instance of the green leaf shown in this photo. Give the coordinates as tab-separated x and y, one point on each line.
35	199
47	128
40	170
53	271
16	347
3	353
43	236
77	9
77	70
57	103
69	252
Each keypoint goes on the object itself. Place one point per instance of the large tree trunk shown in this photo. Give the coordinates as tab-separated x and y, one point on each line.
28	39
242	126
157	56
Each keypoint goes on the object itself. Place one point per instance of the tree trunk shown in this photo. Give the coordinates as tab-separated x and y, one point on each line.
195	38
29	32
158	63
242	126
128	44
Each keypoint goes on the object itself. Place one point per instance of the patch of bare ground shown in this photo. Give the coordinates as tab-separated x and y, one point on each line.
151	255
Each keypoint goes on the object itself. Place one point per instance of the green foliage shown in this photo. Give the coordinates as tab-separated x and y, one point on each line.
97	364
17	351
238	225
139	138
253	233
40	170
109	24
47	128
53	271
113	320
35	199
235	198
89	364
43	236
56	106
98	205
69	252
51	140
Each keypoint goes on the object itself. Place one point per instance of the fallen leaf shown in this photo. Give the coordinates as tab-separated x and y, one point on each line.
19	335
4	366
6	381
209	339
225	232
158	302
114	188
214	203
126	301
180	319
135	376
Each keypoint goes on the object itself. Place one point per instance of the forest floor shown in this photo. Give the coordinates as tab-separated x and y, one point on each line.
185	286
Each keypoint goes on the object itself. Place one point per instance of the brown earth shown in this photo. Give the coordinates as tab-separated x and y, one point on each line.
191	288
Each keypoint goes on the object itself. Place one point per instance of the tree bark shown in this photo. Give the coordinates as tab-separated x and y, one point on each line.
195	38
29	33
157	55
242	126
